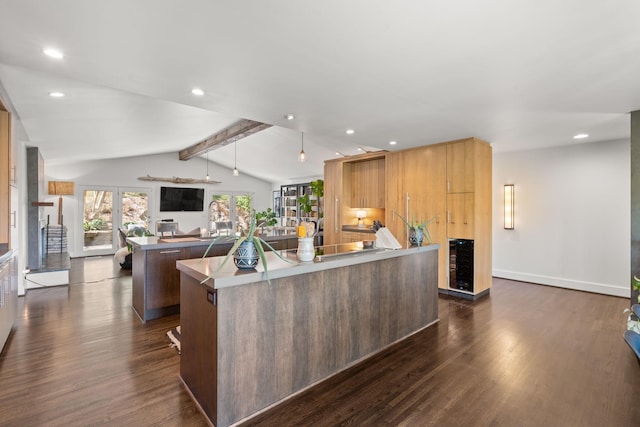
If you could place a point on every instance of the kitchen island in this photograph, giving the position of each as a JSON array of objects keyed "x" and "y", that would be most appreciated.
[
  {"x": 247, "y": 345},
  {"x": 155, "y": 280}
]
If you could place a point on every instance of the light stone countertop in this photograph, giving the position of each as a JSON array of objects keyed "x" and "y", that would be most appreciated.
[
  {"x": 156, "y": 242},
  {"x": 203, "y": 268}
]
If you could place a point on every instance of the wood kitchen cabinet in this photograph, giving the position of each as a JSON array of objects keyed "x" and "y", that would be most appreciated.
[
  {"x": 155, "y": 280},
  {"x": 367, "y": 183},
  {"x": 333, "y": 202},
  {"x": 416, "y": 189},
  {"x": 449, "y": 181},
  {"x": 356, "y": 236},
  {"x": 5, "y": 174},
  {"x": 469, "y": 203},
  {"x": 461, "y": 173},
  {"x": 461, "y": 215}
]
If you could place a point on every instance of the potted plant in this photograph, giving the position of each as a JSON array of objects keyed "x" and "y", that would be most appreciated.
[
  {"x": 317, "y": 189},
  {"x": 266, "y": 218},
  {"x": 305, "y": 204},
  {"x": 417, "y": 230},
  {"x": 248, "y": 249}
]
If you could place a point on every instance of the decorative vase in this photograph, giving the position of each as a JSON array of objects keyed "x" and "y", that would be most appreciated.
[
  {"x": 416, "y": 236},
  {"x": 305, "y": 249},
  {"x": 246, "y": 256}
]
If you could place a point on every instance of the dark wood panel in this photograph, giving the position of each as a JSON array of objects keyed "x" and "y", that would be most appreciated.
[
  {"x": 138, "y": 277},
  {"x": 199, "y": 344},
  {"x": 163, "y": 279},
  {"x": 279, "y": 338}
]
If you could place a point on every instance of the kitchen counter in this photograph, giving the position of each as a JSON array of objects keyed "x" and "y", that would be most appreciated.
[
  {"x": 155, "y": 242},
  {"x": 247, "y": 344},
  {"x": 5, "y": 254},
  {"x": 156, "y": 282}
]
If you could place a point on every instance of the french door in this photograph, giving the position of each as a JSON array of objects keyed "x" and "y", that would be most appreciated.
[
  {"x": 104, "y": 210},
  {"x": 230, "y": 207}
]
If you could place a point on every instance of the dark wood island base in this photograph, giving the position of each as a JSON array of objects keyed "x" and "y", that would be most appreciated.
[{"x": 248, "y": 345}]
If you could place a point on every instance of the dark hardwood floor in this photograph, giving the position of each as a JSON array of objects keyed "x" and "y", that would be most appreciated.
[{"x": 528, "y": 355}]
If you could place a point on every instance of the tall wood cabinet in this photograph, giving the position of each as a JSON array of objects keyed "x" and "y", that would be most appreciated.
[
  {"x": 469, "y": 203},
  {"x": 6, "y": 163},
  {"x": 450, "y": 182},
  {"x": 416, "y": 189},
  {"x": 333, "y": 202}
]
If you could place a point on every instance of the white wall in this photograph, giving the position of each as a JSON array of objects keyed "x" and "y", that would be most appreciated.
[
  {"x": 125, "y": 172},
  {"x": 572, "y": 217}
]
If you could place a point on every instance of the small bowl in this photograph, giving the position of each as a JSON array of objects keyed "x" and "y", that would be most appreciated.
[{"x": 367, "y": 244}]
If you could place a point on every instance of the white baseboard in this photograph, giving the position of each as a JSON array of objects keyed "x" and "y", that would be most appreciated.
[
  {"x": 46, "y": 279},
  {"x": 565, "y": 283}
]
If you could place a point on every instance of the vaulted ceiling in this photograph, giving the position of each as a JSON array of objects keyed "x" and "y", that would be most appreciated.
[{"x": 519, "y": 74}]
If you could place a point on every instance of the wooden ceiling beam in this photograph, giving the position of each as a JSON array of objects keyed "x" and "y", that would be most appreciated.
[{"x": 240, "y": 129}]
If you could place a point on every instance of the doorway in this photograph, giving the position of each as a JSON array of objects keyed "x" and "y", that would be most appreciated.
[{"x": 105, "y": 210}]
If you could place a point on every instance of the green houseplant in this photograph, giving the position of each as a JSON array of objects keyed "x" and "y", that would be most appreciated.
[
  {"x": 248, "y": 249},
  {"x": 317, "y": 189},
  {"x": 305, "y": 204},
  {"x": 266, "y": 218},
  {"x": 417, "y": 230}
]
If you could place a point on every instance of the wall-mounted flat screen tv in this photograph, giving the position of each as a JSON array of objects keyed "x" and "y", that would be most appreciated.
[{"x": 180, "y": 199}]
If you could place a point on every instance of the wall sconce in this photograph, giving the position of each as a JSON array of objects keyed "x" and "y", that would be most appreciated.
[
  {"x": 509, "y": 196},
  {"x": 361, "y": 215},
  {"x": 60, "y": 188}
]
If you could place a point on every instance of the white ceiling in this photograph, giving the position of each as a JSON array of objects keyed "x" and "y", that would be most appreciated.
[{"x": 519, "y": 74}]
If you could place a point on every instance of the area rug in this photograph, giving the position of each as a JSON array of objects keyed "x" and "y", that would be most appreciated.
[{"x": 174, "y": 336}]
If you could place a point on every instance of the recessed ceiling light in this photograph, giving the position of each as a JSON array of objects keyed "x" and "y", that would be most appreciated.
[
  {"x": 289, "y": 117},
  {"x": 350, "y": 131},
  {"x": 360, "y": 149},
  {"x": 197, "y": 91},
  {"x": 56, "y": 94},
  {"x": 393, "y": 142},
  {"x": 53, "y": 53},
  {"x": 581, "y": 136}
]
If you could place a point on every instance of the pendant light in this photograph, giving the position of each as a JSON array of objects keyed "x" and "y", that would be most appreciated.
[
  {"x": 302, "y": 157},
  {"x": 235, "y": 157},
  {"x": 207, "y": 177}
]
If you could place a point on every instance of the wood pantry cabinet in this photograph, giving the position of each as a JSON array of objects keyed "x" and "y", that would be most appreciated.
[
  {"x": 416, "y": 189},
  {"x": 5, "y": 173},
  {"x": 450, "y": 181},
  {"x": 469, "y": 203}
]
